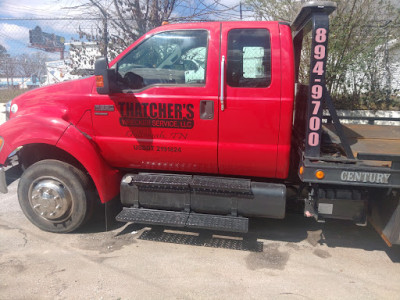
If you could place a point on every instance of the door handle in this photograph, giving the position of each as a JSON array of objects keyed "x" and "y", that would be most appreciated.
[
  {"x": 222, "y": 83},
  {"x": 206, "y": 110}
]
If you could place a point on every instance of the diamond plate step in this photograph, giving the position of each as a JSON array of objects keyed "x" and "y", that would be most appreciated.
[
  {"x": 215, "y": 222},
  {"x": 153, "y": 217},
  {"x": 221, "y": 186},
  {"x": 155, "y": 182},
  {"x": 182, "y": 219}
]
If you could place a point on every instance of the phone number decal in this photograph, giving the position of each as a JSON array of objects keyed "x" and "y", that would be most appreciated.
[
  {"x": 317, "y": 90},
  {"x": 156, "y": 148}
]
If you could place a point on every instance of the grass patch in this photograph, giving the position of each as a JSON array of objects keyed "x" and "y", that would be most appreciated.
[{"x": 9, "y": 94}]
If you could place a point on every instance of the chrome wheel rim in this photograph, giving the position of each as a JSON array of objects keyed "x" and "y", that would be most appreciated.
[{"x": 50, "y": 199}]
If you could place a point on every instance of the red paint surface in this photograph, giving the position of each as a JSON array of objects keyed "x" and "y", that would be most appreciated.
[
  {"x": 105, "y": 178},
  {"x": 251, "y": 137},
  {"x": 249, "y": 125},
  {"x": 287, "y": 98}
]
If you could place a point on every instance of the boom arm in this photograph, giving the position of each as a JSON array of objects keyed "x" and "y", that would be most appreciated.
[{"x": 314, "y": 16}]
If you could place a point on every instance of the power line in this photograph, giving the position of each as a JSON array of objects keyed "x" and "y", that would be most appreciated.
[{"x": 59, "y": 19}]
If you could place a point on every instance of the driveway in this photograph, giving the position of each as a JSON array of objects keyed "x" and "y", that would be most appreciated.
[{"x": 295, "y": 258}]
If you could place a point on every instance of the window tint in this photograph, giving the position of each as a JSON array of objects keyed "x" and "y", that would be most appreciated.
[
  {"x": 249, "y": 58},
  {"x": 174, "y": 57}
]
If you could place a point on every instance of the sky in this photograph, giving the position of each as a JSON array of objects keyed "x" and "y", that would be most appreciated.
[{"x": 14, "y": 34}]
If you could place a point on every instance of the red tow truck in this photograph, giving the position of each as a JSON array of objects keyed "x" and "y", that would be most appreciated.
[{"x": 203, "y": 125}]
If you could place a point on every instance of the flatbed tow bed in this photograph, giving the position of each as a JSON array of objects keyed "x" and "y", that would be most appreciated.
[
  {"x": 364, "y": 138},
  {"x": 374, "y": 161},
  {"x": 350, "y": 171}
]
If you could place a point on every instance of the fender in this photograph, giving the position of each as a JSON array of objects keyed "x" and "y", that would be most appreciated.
[
  {"x": 29, "y": 129},
  {"x": 105, "y": 178}
]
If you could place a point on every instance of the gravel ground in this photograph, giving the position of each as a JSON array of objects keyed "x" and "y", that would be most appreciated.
[{"x": 295, "y": 258}]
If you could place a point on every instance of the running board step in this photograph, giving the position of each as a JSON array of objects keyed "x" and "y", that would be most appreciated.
[
  {"x": 153, "y": 217},
  {"x": 183, "y": 219},
  {"x": 216, "y": 222}
]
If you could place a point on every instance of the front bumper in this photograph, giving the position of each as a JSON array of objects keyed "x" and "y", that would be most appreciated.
[{"x": 3, "y": 183}]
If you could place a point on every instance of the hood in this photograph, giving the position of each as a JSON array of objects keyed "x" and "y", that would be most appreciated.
[{"x": 68, "y": 100}]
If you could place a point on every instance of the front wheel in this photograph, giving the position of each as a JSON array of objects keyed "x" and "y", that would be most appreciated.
[{"x": 53, "y": 196}]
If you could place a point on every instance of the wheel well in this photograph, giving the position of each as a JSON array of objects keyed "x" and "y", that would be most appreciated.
[{"x": 32, "y": 153}]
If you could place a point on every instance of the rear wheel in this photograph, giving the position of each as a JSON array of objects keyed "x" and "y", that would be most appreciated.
[{"x": 54, "y": 196}]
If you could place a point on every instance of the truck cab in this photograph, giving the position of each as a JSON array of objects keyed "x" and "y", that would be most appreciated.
[{"x": 168, "y": 107}]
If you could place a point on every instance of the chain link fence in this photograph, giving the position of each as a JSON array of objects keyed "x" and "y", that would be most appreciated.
[
  {"x": 42, "y": 51},
  {"x": 39, "y": 52}
]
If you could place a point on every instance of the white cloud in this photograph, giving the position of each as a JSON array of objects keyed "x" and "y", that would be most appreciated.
[
  {"x": 38, "y": 8},
  {"x": 14, "y": 34},
  {"x": 11, "y": 33},
  {"x": 51, "y": 9}
]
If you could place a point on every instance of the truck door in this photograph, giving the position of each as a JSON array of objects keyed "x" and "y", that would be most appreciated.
[
  {"x": 164, "y": 116},
  {"x": 249, "y": 110}
]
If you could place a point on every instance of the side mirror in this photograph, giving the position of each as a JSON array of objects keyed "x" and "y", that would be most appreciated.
[{"x": 101, "y": 73}]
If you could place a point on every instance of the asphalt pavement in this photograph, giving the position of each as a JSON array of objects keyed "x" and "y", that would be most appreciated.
[{"x": 294, "y": 258}]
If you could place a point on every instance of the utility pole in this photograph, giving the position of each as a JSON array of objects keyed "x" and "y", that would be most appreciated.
[{"x": 105, "y": 36}]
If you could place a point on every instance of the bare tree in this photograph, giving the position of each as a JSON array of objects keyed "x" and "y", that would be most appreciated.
[
  {"x": 32, "y": 64},
  {"x": 121, "y": 22},
  {"x": 358, "y": 63},
  {"x": 10, "y": 70},
  {"x": 4, "y": 56},
  {"x": 7, "y": 66},
  {"x": 3, "y": 51}
]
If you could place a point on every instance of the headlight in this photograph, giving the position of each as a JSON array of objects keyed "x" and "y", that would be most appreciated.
[{"x": 8, "y": 109}]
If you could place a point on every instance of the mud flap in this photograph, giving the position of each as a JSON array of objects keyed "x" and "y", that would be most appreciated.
[
  {"x": 3, "y": 183},
  {"x": 385, "y": 217}
]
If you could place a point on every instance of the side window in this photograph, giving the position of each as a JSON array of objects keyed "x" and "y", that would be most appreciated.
[
  {"x": 173, "y": 57},
  {"x": 249, "y": 58}
]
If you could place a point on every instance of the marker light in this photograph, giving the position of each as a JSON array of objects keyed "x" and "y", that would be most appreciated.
[
  {"x": 164, "y": 23},
  {"x": 99, "y": 81},
  {"x": 320, "y": 174},
  {"x": 301, "y": 171},
  {"x": 1, "y": 142}
]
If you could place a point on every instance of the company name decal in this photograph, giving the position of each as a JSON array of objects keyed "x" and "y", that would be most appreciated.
[
  {"x": 365, "y": 177},
  {"x": 158, "y": 115}
]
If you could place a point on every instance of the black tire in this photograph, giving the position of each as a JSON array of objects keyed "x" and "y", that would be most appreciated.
[{"x": 55, "y": 196}]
